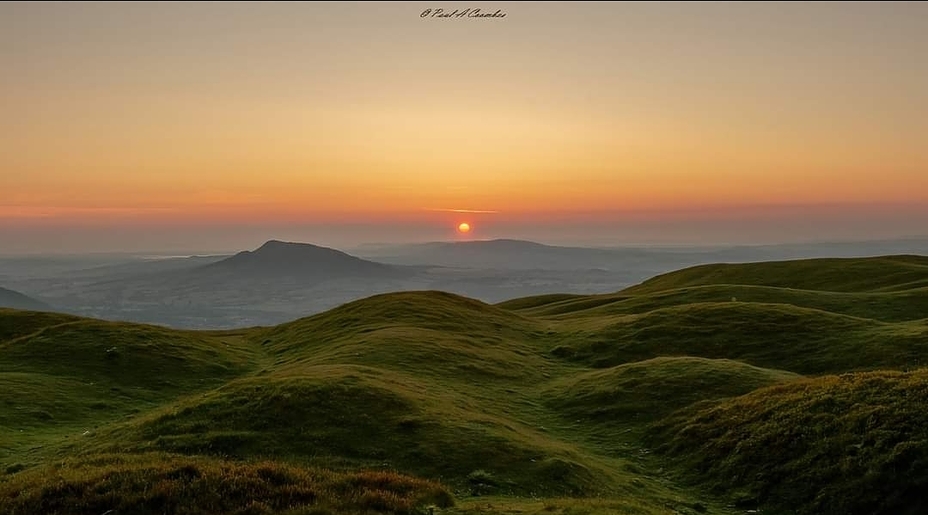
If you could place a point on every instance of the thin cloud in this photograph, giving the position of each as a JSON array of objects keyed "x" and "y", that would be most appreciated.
[{"x": 463, "y": 210}]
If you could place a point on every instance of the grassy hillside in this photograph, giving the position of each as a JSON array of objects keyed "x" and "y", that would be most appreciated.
[
  {"x": 643, "y": 391},
  {"x": 894, "y": 306},
  {"x": 125, "y": 355},
  {"x": 849, "y": 444},
  {"x": 552, "y": 404},
  {"x": 363, "y": 418},
  {"x": 62, "y": 376},
  {"x": 888, "y": 273},
  {"x": 15, "y": 324},
  {"x": 438, "y": 311},
  {"x": 779, "y": 336}
]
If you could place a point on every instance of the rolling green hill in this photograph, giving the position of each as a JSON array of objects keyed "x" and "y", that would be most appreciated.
[
  {"x": 649, "y": 401},
  {"x": 887, "y": 273},
  {"x": 779, "y": 336},
  {"x": 854, "y": 443},
  {"x": 629, "y": 394},
  {"x": 888, "y": 306},
  {"x": 15, "y": 324}
]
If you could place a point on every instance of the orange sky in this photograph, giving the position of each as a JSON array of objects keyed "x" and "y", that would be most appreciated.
[{"x": 164, "y": 114}]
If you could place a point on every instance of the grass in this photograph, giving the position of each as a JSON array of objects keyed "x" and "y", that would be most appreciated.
[
  {"x": 619, "y": 403},
  {"x": 779, "y": 336},
  {"x": 125, "y": 355},
  {"x": 152, "y": 484},
  {"x": 363, "y": 417},
  {"x": 573, "y": 506},
  {"x": 886, "y": 273},
  {"x": 885, "y": 306},
  {"x": 848, "y": 444},
  {"x": 644, "y": 391},
  {"x": 15, "y": 323}
]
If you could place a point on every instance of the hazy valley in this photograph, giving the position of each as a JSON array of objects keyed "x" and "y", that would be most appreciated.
[{"x": 280, "y": 281}]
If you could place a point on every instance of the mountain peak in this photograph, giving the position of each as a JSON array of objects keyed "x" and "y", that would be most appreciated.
[
  {"x": 276, "y": 252},
  {"x": 278, "y": 244},
  {"x": 277, "y": 257}
]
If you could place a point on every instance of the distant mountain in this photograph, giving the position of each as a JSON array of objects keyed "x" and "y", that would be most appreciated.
[
  {"x": 16, "y": 300},
  {"x": 303, "y": 261},
  {"x": 513, "y": 255},
  {"x": 280, "y": 281},
  {"x": 509, "y": 254}
]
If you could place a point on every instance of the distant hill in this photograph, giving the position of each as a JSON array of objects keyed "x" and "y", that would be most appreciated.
[
  {"x": 511, "y": 254},
  {"x": 303, "y": 261},
  {"x": 16, "y": 300},
  {"x": 276, "y": 282}
]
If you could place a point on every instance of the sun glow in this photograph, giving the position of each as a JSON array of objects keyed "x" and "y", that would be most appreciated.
[{"x": 464, "y": 228}]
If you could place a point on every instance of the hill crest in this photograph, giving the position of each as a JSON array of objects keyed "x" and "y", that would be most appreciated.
[{"x": 277, "y": 257}]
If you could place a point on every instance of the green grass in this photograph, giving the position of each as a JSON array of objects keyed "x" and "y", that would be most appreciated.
[
  {"x": 61, "y": 376},
  {"x": 894, "y": 306},
  {"x": 361, "y": 417},
  {"x": 644, "y": 391},
  {"x": 779, "y": 336},
  {"x": 849, "y": 444},
  {"x": 125, "y": 355},
  {"x": 550, "y": 404},
  {"x": 16, "y": 324},
  {"x": 888, "y": 273}
]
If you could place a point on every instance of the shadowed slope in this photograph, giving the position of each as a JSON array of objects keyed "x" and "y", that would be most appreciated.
[
  {"x": 129, "y": 355},
  {"x": 352, "y": 417},
  {"x": 778, "y": 336},
  {"x": 644, "y": 391},
  {"x": 853, "y": 444},
  {"x": 62, "y": 376},
  {"x": 15, "y": 323},
  {"x": 896, "y": 306}
]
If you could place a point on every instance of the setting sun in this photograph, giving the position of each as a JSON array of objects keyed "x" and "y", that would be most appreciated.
[{"x": 464, "y": 227}]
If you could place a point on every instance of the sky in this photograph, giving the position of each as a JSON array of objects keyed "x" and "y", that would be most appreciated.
[{"x": 217, "y": 126}]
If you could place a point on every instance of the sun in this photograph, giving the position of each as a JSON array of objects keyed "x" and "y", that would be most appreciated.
[{"x": 464, "y": 227}]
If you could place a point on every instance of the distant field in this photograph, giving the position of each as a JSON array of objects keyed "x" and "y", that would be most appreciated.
[{"x": 789, "y": 387}]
